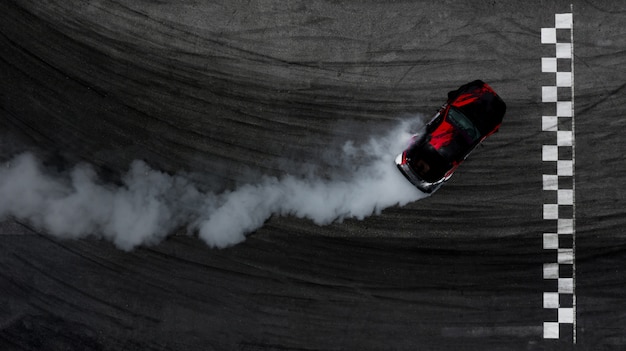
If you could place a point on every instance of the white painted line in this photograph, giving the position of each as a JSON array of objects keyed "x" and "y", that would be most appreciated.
[
  {"x": 550, "y": 271},
  {"x": 559, "y": 242},
  {"x": 550, "y": 153},
  {"x": 550, "y": 182},
  {"x": 566, "y": 285},
  {"x": 564, "y": 168},
  {"x": 550, "y": 241},
  {"x": 548, "y": 35},
  {"x": 563, "y": 20},
  {"x": 565, "y": 256},
  {"x": 563, "y": 79},
  {"x": 550, "y": 211},
  {"x": 564, "y": 138},
  {"x": 551, "y": 300},
  {"x": 564, "y": 109},
  {"x": 548, "y": 94},
  {"x": 550, "y": 330},
  {"x": 570, "y": 20},
  {"x": 565, "y": 226},
  {"x": 548, "y": 64},
  {"x": 565, "y": 197},
  {"x": 549, "y": 123},
  {"x": 563, "y": 50},
  {"x": 566, "y": 315}
]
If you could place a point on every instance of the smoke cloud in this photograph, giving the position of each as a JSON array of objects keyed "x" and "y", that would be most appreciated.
[{"x": 151, "y": 204}]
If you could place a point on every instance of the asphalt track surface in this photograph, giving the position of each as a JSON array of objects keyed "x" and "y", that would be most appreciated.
[{"x": 231, "y": 90}]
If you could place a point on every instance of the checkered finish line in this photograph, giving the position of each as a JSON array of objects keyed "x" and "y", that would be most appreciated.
[{"x": 558, "y": 181}]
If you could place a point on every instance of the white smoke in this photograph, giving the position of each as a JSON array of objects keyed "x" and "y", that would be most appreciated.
[{"x": 150, "y": 204}]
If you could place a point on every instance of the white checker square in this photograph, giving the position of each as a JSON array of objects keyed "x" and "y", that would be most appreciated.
[
  {"x": 566, "y": 315},
  {"x": 550, "y": 271},
  {"x": 548, "y": 94},
  {"x": 550, "y": 300},
  {"x": 566, "y": 285},
  {"x": 564, "y": 168},
  {"x": 548, "y": 64},
  {"x": 565, "y": 256},
  {"x": 550, "y": 330},
  {"x": 564, "y": 138},
  {"x": 550, "y": 182},
  {"x": 550, "y": 241},
  {"x": 548, "y": 35},
  {"x": 565, "y": 197},
  {"x": 550, "y": 153},
  {"x": 549, "y": 123},
  {"x": 563, "y": 50},
  {"x": 550, "y": 211},
  {"x": 564, "y": 109},
  {"x": 565, "y": 226},
  {"x": 563, "y": 79},
  {"x": 563, "y": 20}
]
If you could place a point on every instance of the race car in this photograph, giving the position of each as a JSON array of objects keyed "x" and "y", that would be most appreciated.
[{"x": 472, "y": 113}]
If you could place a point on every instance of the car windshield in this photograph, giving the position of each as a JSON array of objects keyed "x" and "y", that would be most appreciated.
[{"x": 465, "y": 125}]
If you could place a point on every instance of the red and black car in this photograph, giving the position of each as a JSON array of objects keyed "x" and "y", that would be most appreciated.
[{"x": 471, "y": 114}]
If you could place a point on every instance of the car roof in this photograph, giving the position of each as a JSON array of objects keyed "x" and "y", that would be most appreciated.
[
  {"x": 479, "y": 102},
  {"x": 448, "y": 140}
]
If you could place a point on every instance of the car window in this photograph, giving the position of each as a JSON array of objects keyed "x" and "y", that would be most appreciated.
[
  {"x": 427, "y": 162},
  {"x": 464, "y": 124},
  {"x": 422, "y": 167}
]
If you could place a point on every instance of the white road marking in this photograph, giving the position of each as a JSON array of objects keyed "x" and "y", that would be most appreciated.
[
  {"x": 549, "y": 94},
  {"x": 564, "y": 138},
  {"x": 550, "y": 271},
  {"x": 565, "y": 197},
  {"x": 549, "y": 123},
  {"x": 566, "y": 315},
  {"x": 561, "y": 127},
  {"x": 548, "y": 64},
  {"x": 565, "y": 256},
  {"x": 550, "y": 153},
  {"x": 550, "y": 241},
  {"x": 565, "y": 168},
  {"x": 550, "y": 182},
  {"x": 564, "y": 108},
  {"x": 566, "y": 285},
  {"x": 550, "y": 211},
  {"x": 550, "y": 300},
  {"x": 565, "y": 226},
  {"x": 563, "y": 79},
  {"x": 548, "y": 35},
  {"x": 570, "y": 20},
  {"x": 563, "y": 20},
  {"x": 551, "y": 330},
  {"x": 563, "y": 50}
]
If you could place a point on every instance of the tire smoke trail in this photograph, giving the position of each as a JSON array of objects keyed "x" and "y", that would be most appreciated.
[{"x": 150, "y": 204}]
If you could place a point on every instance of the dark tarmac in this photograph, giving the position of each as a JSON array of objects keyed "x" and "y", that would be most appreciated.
[{"x": 229, "y": 91}]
